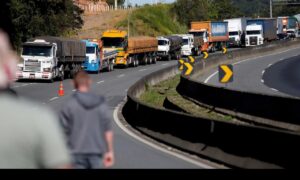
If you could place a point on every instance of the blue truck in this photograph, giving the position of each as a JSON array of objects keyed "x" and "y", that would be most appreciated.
[{"x": 98, "y": 60}]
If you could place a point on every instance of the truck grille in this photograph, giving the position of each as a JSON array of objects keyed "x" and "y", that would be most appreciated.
[
  {"x": 253, "y": 40},
  {"x": 32, "y": 66}
]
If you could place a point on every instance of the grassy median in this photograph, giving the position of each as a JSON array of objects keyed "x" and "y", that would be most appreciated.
[{"x": 156, "y": 95}]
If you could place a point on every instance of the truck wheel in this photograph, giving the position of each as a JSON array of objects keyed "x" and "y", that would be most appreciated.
[
  {"x": 137, "y": 62},
  {"x": 111, "y": 66},
  {"x": 154, "y": 60}
]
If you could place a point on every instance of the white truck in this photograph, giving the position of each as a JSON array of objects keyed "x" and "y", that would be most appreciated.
[
  {"x": 169, "y": 47},
  {"x": 50, "y": 58},
  {"x": 191, "y": 45},
  {"x": 237, "y": 31},
  {"x": 259, "y": 31}
]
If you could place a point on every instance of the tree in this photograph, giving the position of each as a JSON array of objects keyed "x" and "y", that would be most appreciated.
[{"x": 29, "y": 18}]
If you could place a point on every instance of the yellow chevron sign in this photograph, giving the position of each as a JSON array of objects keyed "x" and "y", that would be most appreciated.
[
  {"x": 181, "y": 64},
  {"x": 192, "y": 59},
  {"x": 189, "y": 69},
  {"x": 226, "y": 73},
  {"x": 205, "y": 55},
  {"x": 224, "y": 50}
]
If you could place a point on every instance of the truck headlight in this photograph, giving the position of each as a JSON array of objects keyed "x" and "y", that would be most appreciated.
[{"x": 47, "y": 69}]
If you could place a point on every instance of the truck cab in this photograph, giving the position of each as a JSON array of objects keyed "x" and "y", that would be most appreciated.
[
  {"x": 39, "y": 60},
  {"x": 163, "y": 47},
  {"x": 235, "y": 37},
  {"x": 92, "y": 63},
  {"x": 116, "y": 40},
  {"x": 254, "y": 35},
  {"x": 188, "y": 45}
]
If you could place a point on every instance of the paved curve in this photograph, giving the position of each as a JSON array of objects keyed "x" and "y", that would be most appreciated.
[
  {"x": 130, "y": 153},
  {"x": 248, "y": 73},
  {"x": 284, "y": 76}
]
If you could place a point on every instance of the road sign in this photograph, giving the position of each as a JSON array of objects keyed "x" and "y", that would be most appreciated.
[
  {"x": 181, "y": 64},
  {"x": 224, "y": 50},
  {"x": 205, "y": 55},
  {"x": 189, "y": 69},
  {"x": 186, "y": 66},
  {"x": 226, "y": 73},
  {"x": 192, "y": 59}
]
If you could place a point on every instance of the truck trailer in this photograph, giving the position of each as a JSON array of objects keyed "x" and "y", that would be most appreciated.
[
  {"x": 214, "y": 34},
  {"x": 259, "y": 31},
  {"x": 132, "y": 51},
  {"x": 169, "y": 47},
  {"x": 98, "y": 59},
  {"x": 50, "y": 58},
  {"x": 286, "y": 24},
  {"x": 237, "y": 31}
]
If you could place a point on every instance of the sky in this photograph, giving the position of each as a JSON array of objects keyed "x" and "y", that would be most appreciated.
[{"x": 140, "y": 2}]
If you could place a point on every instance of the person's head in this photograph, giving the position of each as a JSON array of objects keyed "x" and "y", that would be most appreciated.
[
  {"x": 8, "y": 62},
  {"x": 82, "y": 81}
]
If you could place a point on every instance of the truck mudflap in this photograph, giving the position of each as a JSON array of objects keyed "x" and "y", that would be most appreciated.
[{"x": 34, "y": 76}]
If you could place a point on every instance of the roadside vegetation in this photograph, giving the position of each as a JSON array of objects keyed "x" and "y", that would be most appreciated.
[
  {"x": 156, "y": 95},
  {"x": 152, "y": 21}
]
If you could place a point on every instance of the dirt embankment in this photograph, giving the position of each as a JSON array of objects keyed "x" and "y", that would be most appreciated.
[{"x": 94, "y": 25}]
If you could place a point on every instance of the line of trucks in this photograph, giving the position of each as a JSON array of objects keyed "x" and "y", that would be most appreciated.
[{"x": 51, "y": 58}]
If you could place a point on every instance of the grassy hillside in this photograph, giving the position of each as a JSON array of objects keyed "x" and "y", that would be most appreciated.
[{"x": 152, "y": 21}]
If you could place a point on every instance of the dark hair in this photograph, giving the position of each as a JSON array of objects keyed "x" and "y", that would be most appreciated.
[{"x": 81, "y": 79}]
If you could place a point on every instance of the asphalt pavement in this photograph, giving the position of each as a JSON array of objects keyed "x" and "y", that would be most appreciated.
[
  {"x": 249, "y": 73},
  {"x": 130, "y": 153}
]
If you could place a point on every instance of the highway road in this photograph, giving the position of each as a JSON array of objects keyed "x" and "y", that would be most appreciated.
[
  {"x": 249, "y": 74},
  {"x": 130, "y": 152},
  {"x": 284, "y": 76}
]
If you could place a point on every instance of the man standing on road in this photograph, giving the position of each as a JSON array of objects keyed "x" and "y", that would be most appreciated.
[
  {"x": 29, "y": 138},
  {"x": 87, "y": 124}
]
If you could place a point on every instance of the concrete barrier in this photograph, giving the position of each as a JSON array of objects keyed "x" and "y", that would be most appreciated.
[{"x": 232, "y": 144}]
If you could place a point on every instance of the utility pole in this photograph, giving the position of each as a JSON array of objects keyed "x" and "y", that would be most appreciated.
[
  {"x": 116, "y": 4},
  {"x": 128, "y": 21},
  {"x": 271, "y": 8}
]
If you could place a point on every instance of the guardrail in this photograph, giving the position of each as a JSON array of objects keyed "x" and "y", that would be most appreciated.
[{"x": 229, "y": 143}]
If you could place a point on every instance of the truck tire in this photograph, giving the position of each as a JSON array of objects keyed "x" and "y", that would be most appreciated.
[
  {"x": 154, "y": 60},
  {"x": 137, "y": 62},
  {"x": 111, "y": 66}
]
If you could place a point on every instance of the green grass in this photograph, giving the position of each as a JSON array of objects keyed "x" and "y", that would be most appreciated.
[
  {"x": 156, "y": 95},
  {"x": 152, "y": 21}
]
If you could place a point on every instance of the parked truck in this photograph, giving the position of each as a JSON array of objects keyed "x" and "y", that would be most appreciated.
[
  {"x": 132, "y": 51},
  {"x": 49, "y": 58},
  {"x": 259, "y": 31},
  {"x": 286, "y": 27},
  {"x": 191, "y": 45},
  {"x": 237, "y": 32},
  {"x": 169, "y": 47},
  {"x": 98, "y": 59},
  {"x": 214, "y": 34}
]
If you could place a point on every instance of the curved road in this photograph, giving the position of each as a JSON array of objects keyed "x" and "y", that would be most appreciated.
[
  {"x": 249, "y": 73},
  {"x": 284, "y": 76},
  {"x": 130, "y": 153}
]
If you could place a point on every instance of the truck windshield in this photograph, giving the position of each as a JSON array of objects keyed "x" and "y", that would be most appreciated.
[
  {"x": 185, "y": 41},
  {"x": 162, "y": 42},
  {"x": 37, "y": 51},
  {"x": 113, "y": 42},
  {"x": 253, "y": 32},
  {"x": 197, "y": 34},
  {"x": 90, "y": 50},
  {"x": 234, "y": 33}
]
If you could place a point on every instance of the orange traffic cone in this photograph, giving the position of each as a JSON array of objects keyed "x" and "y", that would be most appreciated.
[{"x": 61, "y": 91}]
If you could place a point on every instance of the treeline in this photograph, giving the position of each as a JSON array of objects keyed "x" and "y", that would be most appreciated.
[
  {"x": 24, "y": 19},
  {"x": 199, "y": 10}
]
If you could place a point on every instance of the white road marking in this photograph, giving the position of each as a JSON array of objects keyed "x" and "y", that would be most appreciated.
[
  {"x": 133, "y": 135},
  {"x": 74, "y": 90},
  {"x": 52, "y": 99},
  {"x": 122, "y": 75},
  {"x": 15, "y": 86},
  {"x": 211, "y": 76},
  {"x": 100, "y": 82},
  {"x": 262, "y": 81},
  {"x": 165, "y": 64},
  {"x": 141, "y": 70},
  {"x": 270, "y": 65},
  {"x": 263, "y": 72},
  {"x": 274, "y": 89},
  {"x": 24, "y": 85},
  {"x": 126, "y": 90}
]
